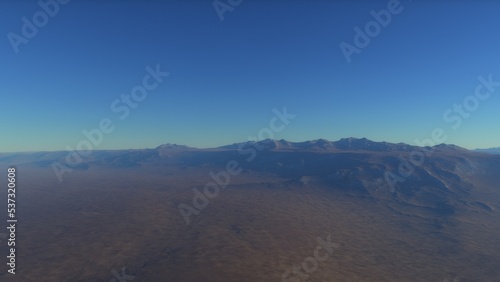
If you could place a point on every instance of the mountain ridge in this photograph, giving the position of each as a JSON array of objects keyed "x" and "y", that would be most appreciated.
[{"x": 350, "y": 143}]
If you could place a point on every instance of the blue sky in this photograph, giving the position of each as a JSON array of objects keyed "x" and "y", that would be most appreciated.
[{"x": 227, "y": 76}]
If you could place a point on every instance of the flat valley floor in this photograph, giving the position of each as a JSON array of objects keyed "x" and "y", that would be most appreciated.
[{"x": 97, "y": 222}]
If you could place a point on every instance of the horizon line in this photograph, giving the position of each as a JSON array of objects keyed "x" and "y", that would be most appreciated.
[{"x": 248, "y": 141}]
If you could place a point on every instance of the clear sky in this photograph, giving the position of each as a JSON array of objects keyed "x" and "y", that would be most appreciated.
[{"x": 227, "y": 76}]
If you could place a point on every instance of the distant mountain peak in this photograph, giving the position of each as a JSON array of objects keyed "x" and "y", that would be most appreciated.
[
  {"x": 353, "y": 139},
  {"x": 355, "y": 144},
  {"x": 169, "y": 146}
]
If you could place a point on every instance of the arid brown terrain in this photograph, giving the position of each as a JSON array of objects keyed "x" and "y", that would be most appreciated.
[{"x": 123, "y": 209}]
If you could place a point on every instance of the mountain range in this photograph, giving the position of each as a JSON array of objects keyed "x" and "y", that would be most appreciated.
[{"x": 136, "y": 156}]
